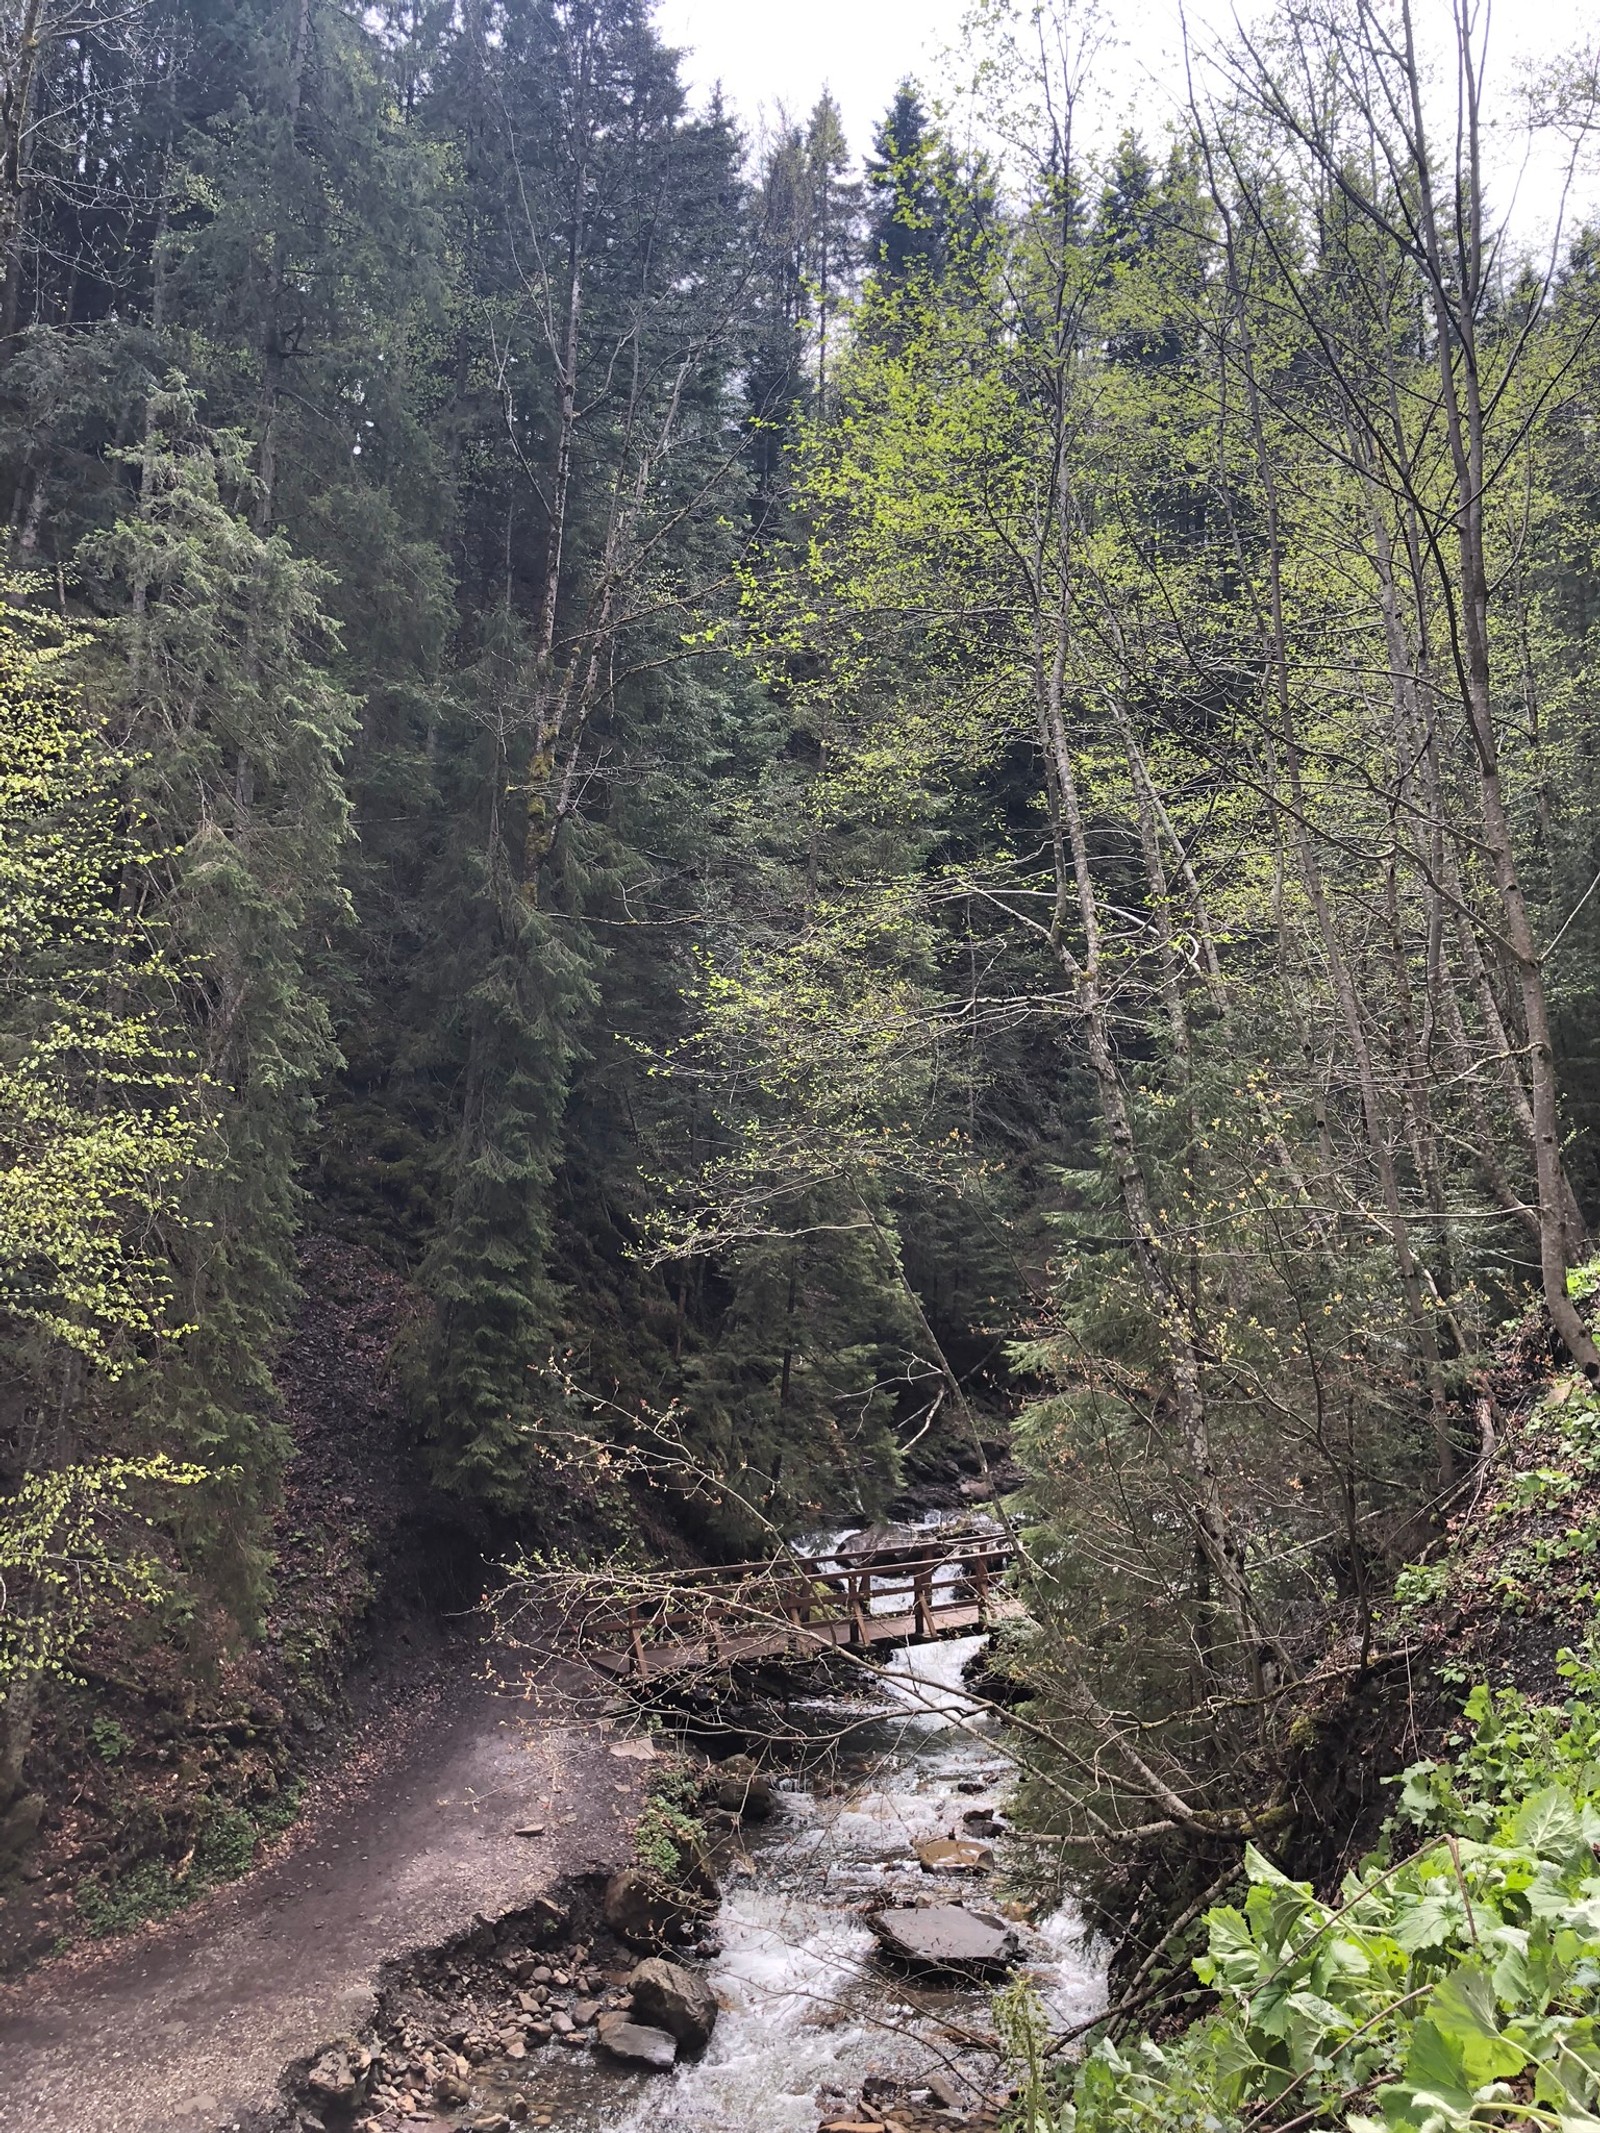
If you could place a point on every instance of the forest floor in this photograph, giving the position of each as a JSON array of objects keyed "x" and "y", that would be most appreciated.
[{"x": 188, "y": 2026}]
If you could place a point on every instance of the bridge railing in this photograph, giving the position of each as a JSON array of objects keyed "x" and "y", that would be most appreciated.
[{"x": 790, "y": 1605}]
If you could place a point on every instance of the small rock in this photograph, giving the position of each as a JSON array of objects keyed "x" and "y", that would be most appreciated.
[
  {"x": 561, "y": 2023},
  {"x": 584, "y": 2012},
  {"x": 638, "y": 2044},
  {"x": 944, "y": 2091},
  {"x": 529, "y": 1829}
]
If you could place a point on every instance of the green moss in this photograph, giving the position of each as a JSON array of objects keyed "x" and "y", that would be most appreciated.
[{"x": 226, "y": 1839}]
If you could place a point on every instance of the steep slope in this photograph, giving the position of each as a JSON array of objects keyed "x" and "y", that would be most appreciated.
[{"x": 180, "y": 1748}]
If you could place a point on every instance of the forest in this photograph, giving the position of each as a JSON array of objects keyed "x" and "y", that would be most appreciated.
[{"x": 842, "y": 829}]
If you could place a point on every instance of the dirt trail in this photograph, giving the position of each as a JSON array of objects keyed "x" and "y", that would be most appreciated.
[{"x": 187, "y": 2028}]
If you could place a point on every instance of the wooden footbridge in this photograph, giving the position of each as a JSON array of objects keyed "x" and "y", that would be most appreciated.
[{"x": 799, "y": 1607}]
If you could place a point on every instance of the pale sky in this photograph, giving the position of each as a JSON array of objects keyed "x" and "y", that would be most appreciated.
[
  {"x": 771, "y": 52},
  {"x": 767, "y": 52}
]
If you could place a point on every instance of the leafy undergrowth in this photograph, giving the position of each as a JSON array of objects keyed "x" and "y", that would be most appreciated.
[
  {"x": 1517, "y": 1578},
  {"x": 1452, "y": 1979},
  {"x": 224, "y": 1847},
  {"x": 1451, "y": 1983}
]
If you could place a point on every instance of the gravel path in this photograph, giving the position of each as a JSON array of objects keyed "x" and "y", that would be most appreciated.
[{"x": 187, "y": 2027}]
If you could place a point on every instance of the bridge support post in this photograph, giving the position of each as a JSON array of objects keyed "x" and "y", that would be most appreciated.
[{"x": 860, "y": 1636}]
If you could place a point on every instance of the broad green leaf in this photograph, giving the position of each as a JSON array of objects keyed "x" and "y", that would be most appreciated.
[
  {"x": 1548, "y": 1824},
  {"x": 1232, "y": 1957},
  {"x": 1583, "y": 1913},
  {"x": 1462, "y": 2013},
  {"x": 1432, "y": 1923},
  {"x": 1260, "y": 1869}
]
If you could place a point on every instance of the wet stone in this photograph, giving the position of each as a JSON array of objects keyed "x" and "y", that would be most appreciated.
[
  {"x": 946, "y": 1937},
  {"x": 955, "y": 1855},
  {"x": 638, "y": 2043},
  {"x": 666, "y": 1996}
]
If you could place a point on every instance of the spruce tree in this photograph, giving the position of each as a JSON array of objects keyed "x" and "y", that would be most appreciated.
[
  {"x": 906, "y": 209},
  {"x": 215, "y": 675}
]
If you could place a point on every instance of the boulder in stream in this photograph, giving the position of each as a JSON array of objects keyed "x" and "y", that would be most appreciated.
[
  {"x": 947, "y": 1937},
  {"x": 954, "y": 1855},
  {"x": 887, "y": 1546},
  {"x": 638, "y": 2043},
  {"x": 643, "y": 1909},
  {"x": 738, "y": 1787},
  {"x": 666, "y": 1996}
]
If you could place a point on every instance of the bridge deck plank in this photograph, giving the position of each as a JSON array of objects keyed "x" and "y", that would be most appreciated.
[{"x": 750, "y": 1647}]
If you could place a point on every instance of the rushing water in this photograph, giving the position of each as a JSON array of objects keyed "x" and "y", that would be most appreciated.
[{"x": 808, "y": 2010}]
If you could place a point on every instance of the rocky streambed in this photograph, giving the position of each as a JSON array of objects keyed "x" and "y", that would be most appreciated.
[{"x": 841, "y": 1978}]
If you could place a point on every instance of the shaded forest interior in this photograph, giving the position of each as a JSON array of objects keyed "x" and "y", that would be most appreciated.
[{"x": 755, "y": 832}]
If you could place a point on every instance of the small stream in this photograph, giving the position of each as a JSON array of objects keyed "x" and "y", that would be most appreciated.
[{"x": 808, "y": 2009}]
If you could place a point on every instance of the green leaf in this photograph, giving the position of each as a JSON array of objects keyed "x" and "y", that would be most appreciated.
[
  {"x": 1232, "y": 1957},
  {"x": 1548, "y": 1824},
  {"x": 1432, "y": 1923},
  {"x": 1462, "y": 2012}
]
